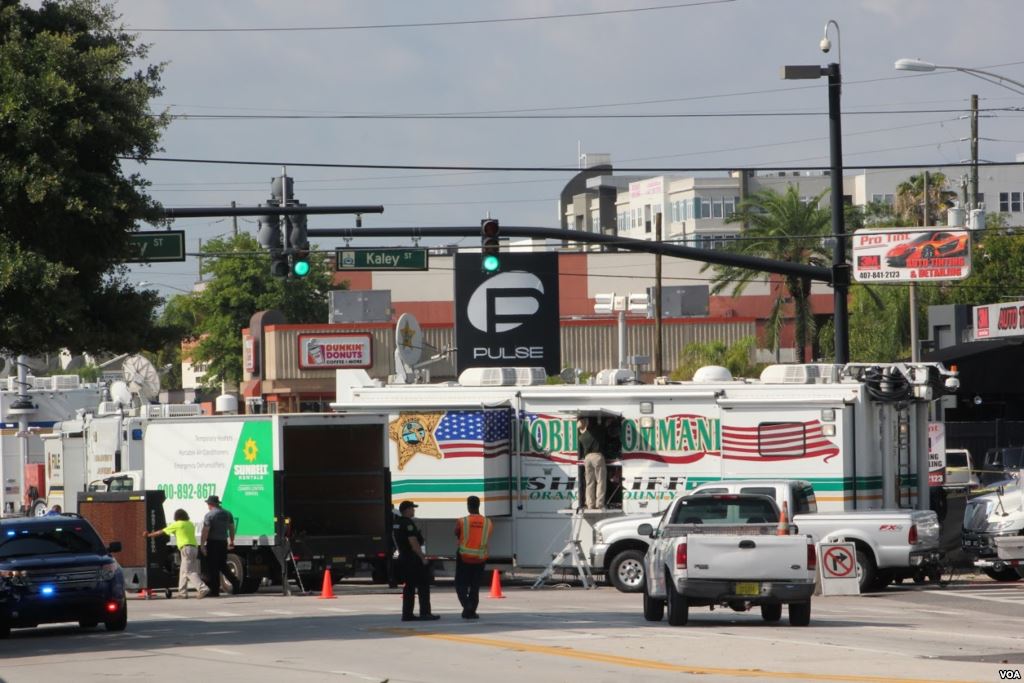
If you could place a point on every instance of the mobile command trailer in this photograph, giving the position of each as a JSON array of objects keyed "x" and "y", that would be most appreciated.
[
  {"x": 858, "y": 433},
  {"x": 313, "y": 489}
]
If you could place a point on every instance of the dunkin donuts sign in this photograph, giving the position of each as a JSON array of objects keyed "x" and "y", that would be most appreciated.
[{"x": 330, "y": 351}]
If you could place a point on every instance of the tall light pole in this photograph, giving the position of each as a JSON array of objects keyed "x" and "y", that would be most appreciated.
[
  {"x": 840, "y": 269},
  {"x": 988, "y": 76}
]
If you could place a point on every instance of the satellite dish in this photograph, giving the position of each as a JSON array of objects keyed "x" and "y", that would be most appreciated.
[
  {"x": 408, "y": 339},
  {"x": 142, "y": 377},
  {"x": 120, "y": 393}
]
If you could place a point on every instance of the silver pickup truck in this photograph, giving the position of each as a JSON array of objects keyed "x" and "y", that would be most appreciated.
[
  {"x": 723, "y": 549},
  {"x": 891, "y": 544}
]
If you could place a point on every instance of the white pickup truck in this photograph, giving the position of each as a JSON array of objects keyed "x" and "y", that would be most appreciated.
[
  {"x": 891, "y": 544},
  {"x": 722, "y": 549}
]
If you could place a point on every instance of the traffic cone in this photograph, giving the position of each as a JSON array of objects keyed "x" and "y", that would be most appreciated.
[
  {"x": 496, "y": 585},
  {"x": 327, "y": 592},
  {"x": 783, "y": 529}
]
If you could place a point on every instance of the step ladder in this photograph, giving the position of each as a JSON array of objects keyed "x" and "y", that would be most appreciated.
[{"x": 573, "y": 551}]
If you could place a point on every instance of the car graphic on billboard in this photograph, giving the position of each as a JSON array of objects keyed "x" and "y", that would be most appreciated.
[{"x": 927, "y": 246}]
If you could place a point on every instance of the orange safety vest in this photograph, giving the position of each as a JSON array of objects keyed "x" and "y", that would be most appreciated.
[{"x": 474, "y": 532}]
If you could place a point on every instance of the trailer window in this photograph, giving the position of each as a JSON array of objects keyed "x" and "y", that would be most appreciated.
[
  {"x": 804, "y": 501},
  {"x": 781, "y": 439}
]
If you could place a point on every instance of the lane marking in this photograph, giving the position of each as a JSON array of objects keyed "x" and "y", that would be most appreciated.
[
  {"x": 224, "y": 614},
  {"x": 339, "y": 610},
  {"x": 590, "y": 656},
  {"x": 278, "y": 611},
  {"x": 222, "y": 651},
  {"x": 168, "y": 615}
]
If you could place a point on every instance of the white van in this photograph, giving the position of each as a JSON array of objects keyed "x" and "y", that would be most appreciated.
[{"x": 960, "y": 469}]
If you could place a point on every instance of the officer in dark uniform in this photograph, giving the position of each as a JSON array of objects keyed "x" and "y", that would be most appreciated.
[{"x": 414, "y": 563}]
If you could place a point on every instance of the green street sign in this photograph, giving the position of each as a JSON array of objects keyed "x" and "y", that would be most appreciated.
[
  {"x": 408, "y": 258},
  {"x": 157, "y": 246}
]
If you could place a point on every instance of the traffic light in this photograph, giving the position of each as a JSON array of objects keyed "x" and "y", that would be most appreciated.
[
  {"x": 269, "y": 236},
  {"x": 490, "y": 258},
  {"x": 298, "y": 244}
]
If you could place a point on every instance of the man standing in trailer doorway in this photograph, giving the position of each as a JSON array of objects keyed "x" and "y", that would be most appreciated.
[
  {"x": 473, "y": 532},
  {"x": 591, "y": 447}
]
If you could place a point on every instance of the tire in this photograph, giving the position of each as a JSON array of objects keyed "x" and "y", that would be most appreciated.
[
  {"x": 867, "y": 571},
  {"x": 800, "y": 613},
  {"x": 928, "y": 252},
  {"x": 119, "y": 622},
  {"x": 626, "y": 571},
  {"x": 654, "y": 608},
  {"x": 38, "y": 508},
  {"x": 88, "y": 623},
  {"x": 1006, "y": 574},
  {"x": 772, "y": 612},
  {"x": 678, "y": 606},
  {"x": 236, "y": 567}
]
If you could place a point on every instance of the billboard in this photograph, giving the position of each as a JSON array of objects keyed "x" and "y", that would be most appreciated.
[
  {"x": 329, "y": 351},
  {"x": 509, "y": 318},
  {"x": 997, "y": 321},
  {"x": 911, "y": 255}
]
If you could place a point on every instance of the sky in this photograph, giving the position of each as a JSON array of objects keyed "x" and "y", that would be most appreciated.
[{"x": 710, "y": 57}]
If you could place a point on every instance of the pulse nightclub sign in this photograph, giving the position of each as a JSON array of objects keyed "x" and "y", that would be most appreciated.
[
  {"x": 911, "y": 255},
  {"x": 508, "y": 318}
]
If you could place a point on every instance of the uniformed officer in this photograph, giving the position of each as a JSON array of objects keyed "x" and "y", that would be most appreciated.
[{"x": 414, "y": 564}]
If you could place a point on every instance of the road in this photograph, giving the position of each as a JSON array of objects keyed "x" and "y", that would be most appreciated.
[{"x": 965, "y": 632}]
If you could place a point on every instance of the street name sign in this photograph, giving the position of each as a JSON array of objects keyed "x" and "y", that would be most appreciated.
[
  {"x": 410, "y": 258},
  {"x": 157, "y": 246}
]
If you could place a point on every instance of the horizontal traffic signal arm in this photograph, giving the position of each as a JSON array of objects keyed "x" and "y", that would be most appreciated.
[
  {"x": 720, "y": 258},
  {"x": 226, "y": 211}
]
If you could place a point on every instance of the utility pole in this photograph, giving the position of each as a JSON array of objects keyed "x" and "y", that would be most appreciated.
[
  {"x": 658, "y": 371},
  {"x": 234, "y": 222},
  {"x": 974, "y": 154},
  {"x": 915, "y": 351}
]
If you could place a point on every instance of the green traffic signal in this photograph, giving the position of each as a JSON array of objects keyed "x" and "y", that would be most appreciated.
[
  {"x": 300, "y": 268},
  {"x": 490, "y": 264}
]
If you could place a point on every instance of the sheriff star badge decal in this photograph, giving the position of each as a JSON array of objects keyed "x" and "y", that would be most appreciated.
[{"x": 414, "y": 433}]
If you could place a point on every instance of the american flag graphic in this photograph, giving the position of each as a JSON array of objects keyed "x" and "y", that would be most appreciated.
[
  {"x": 777, "y": 440},
  {"x": 474, "y": 433}
]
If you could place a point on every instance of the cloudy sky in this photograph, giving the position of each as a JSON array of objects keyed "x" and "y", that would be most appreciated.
[{"x": 573, "y": 81}]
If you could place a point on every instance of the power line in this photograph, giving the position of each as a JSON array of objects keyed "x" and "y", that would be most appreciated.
[{"x": 432, "y": 24}]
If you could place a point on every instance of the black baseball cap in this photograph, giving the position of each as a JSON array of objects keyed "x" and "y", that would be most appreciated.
[{"x": 406, "y": 504}]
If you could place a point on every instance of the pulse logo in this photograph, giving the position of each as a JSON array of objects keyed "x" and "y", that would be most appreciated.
[{"x": 504, "y": 302}]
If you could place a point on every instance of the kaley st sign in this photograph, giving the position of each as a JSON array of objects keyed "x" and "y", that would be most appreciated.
[
  {"x": 331, "y": 351},
  {"x": 508, "y": 318},
  {"x": 911, "y": 255}
]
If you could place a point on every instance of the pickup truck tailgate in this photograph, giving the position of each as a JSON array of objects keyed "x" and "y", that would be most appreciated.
[{"x": 777, "y": 558}]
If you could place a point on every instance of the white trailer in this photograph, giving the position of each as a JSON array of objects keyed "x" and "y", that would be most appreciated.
[{"x": 858, "y": 433}]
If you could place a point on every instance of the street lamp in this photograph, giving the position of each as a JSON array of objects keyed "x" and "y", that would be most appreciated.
[{"x": 840, "y": 269}]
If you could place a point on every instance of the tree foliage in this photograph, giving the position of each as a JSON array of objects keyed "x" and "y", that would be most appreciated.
[
  {"x": 910, "y": 197},
  {"x": 784, "y": 228},
  {"x": 71, "y": 107},
  {"x": 737, "y": 358},
  {"x": 240, "y": 284}
]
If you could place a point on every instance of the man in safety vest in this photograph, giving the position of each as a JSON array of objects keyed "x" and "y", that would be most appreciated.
[{"x": 473, "y": 532}]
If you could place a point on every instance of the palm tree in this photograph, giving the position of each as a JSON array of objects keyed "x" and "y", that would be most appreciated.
[
  {"x": 910, "y": 198},
  {"x": 783, "y": 228}
]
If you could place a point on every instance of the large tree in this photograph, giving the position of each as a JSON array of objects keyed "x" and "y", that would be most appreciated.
[
  {"x": 73, "y": 104},
  {"x": 239, "y": 285},
  {"x": 910, "y": 197},
  {"x": 784, "y": 228}
]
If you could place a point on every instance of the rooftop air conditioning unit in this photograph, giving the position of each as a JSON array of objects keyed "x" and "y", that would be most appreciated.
[
  {"x": 488, "y": 377},
  {"x": 614, "y": 376},
  {"x": 174, "y": 410},
  {"x": 709, "y": 374},
  {"x": 814, "y": 373}
]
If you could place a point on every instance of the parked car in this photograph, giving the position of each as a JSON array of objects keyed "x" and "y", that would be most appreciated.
[
  {"x": 960, "y": 471},
  {"x": 1001, "y": 464},
  {"x": 55, "y": 569},
  {"x": 928, "y": 245}
]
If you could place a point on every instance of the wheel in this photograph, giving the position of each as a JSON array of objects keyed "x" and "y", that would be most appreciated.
[
  {"x": 38, "y": 508},
  {"x": 1006, "y": 574},
  {"x": 236, "y": 567},
  {"x": 678, "y": 607},
  {"x": 799, "y": 613},
  {"x": 654, "y": 608},
  {"x": 772, "y": 612},
  {"x": 866, "y": 571},
  {"x": 119, "y": 621},
  {"x": 920, "y": 578},
  {"x": 88, "y": 623},
  {"x": 626, "y": 571},
  {"x": 928, "y": 252}
]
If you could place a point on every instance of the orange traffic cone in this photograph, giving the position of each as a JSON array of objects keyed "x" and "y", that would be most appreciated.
[
  {"x": 327, "y": 592},
  {"x": 496, "y": 585},
  {"x": 783, "y": 529}
]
